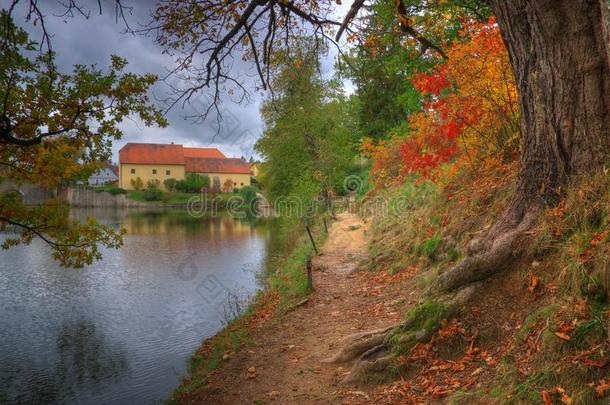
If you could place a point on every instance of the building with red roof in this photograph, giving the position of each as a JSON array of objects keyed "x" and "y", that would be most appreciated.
[
  {"x": 158, "y": 162},
  {"x": 202, "y": 153}
]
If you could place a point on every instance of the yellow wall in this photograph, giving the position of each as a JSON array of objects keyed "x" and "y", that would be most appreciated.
[
  {"x": 145, "y": 172},
  {"x": 238, "y": 179},
  {"x": 254, "y": 169}
]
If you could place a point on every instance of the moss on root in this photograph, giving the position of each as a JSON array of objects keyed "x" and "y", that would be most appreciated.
[{"x": 420, "y": 323}]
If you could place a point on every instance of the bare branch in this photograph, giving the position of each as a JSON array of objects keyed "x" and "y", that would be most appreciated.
[{"x": 353, "y": 11}]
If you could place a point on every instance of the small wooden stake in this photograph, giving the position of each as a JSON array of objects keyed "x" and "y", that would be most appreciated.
[
  {"x": 315, "y": 248},
  {"x": 309, "y": 275}
]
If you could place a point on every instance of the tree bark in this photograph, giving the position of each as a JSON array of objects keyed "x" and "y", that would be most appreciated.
[{"x": 560, "y": 54}]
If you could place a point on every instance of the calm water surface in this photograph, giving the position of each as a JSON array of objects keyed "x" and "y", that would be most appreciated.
[{"x": 121, "y": 330}]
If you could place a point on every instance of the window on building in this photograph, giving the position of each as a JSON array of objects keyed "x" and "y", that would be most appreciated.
[
  {"x": 241, "y": 184},
  {"x": 154, "y": 171},
  {"x": 167, "y": 172},
  {"x": 133, "y": 171}
]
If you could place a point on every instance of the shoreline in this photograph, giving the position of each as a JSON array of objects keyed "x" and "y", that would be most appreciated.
[
  {"x": 270, "y": 352},
  {"x": 286, "y": 291}
]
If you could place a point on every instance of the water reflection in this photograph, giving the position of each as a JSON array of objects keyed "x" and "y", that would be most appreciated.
[
  {"x": 83, "y": 359},
  {"x": 84, "y": 356},
  {"x": 121, "y": 330}
]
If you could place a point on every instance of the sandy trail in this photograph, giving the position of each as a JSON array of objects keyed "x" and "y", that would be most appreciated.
[{"x": 288, "y": 355}]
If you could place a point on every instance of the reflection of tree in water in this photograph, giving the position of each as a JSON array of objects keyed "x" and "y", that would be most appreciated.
[
  {"x": 181, "y": 222},
  {"x": 84, "y": 359},
  {"x": 84, "y": 356},
  {"x": 27, "y": 383}
]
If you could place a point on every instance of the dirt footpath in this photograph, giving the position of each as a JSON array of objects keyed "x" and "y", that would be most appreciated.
[{"x": 288, "y": 356}]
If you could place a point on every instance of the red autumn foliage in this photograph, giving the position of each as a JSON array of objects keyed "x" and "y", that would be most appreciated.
[{"x": 469, "y": 104}]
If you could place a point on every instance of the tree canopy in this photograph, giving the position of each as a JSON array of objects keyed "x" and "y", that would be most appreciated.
[
  {"x": 58, "y": 127},
  {"x": 308, "y": 143}
]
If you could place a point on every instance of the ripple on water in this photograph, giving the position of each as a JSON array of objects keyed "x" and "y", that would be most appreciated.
[{"x": 121, "y": 330}]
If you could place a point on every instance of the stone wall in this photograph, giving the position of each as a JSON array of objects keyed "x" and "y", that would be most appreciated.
[
  {"x": 32, "y": 195},
  {"x": 83, "y": 197}
]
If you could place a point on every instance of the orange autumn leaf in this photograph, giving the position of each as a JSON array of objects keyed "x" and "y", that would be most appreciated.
[
  {"x": 598, "y": 238},
  {"x": 534, "y": 283},
  {"x": 472, "y": 94},
  {"x": 596, "y": 363},
  {"x": 546, "y": 397},
  {"x": 602, "y": 388},
  {"x": 562, "y": 335},
  {"x": 565, "y": 398}
]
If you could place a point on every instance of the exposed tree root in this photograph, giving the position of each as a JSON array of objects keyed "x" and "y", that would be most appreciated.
[
  {"x": 376, "y": 349},
  {"x": 373, "y": 349},
  {"x": 490, "y": 256},
  {"x": 357, "y": 344},
  {"x": 372, "y": 364}
]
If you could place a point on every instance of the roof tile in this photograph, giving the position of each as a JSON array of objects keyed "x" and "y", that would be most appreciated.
[
  {"x": 198, "y": 160},
  {"x": 151, "y": 153},
  {"x": 203, "y": 153},
  {"x": 216, "y": 165}
]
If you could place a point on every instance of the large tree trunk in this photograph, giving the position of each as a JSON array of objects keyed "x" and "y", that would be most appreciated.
[{"x": 560, "y": 53}]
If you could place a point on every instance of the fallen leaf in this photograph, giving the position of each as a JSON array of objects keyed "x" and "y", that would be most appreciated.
[
  {"x": 534, "y": 283},
  {"x": 546, "y": 397},
  {"x": 596, "y": 363},
  {"x": 562, "y": 335},
  {"x": 565, "y": 398},
  {"x": 477, "y": 371},
  {"x": 602, "y": 388}
]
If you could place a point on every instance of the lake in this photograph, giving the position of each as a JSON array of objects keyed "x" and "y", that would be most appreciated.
[{"x": 121, "y": 330}]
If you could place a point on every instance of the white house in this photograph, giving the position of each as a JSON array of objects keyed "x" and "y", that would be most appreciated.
[{"x": 105, "y": 175}]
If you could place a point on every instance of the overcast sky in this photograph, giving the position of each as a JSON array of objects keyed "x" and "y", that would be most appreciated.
[{"x": 92, "y": 41}]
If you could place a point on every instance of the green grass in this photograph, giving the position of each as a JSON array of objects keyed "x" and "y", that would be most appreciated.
[
  {"x": 290, "y": 276},
  {"x": 430, "y": 246},
  {"x": 109, "y": 188},
  {"x": 179, "y": 198},
  {"x": 544, "y": 314},
  {"x": 529, "y": 389}
]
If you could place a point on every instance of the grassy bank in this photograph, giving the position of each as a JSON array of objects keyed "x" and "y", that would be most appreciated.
[
  {"x": 286, "y": 286},
  {"x": 178, "y": 198},
  {"x": 164, "y": 197},
  {"x": 537, "y": 332}
]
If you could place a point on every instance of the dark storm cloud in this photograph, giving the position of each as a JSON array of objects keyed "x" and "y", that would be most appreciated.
[{"x": 91, "y": 41}]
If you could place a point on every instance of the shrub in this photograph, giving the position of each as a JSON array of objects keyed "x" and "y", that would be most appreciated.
[
  {"x": 152, "y": 192},
  {"x": 170, "y": 184},
  {"x": 196, "y": 182},
  {"x": 248, "y": 193},
  {"x": 193, "y": 183},
  {"x": 181, "y": 186},
  {"x": 137, "y": 183},
  {"x": 116, "y": 190}
]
